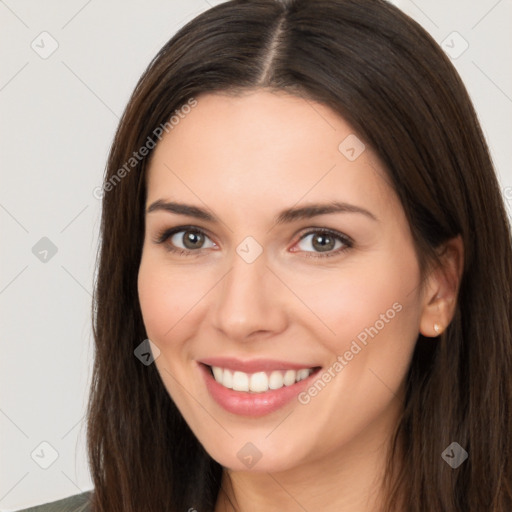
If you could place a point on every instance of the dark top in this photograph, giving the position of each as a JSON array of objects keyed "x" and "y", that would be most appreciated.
[{"x": 75, "y": 503}]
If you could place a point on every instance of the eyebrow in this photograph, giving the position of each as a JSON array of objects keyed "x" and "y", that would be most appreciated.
[{"x": 286, "y": 216}]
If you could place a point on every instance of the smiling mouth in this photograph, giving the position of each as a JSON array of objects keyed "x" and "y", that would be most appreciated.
[{"x": 259, "y": 382}]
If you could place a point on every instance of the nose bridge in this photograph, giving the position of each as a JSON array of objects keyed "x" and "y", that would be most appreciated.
[{"x": 246, "y": 301}]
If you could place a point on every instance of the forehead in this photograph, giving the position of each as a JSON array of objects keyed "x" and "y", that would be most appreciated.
[{"x": 265, "y": 148}]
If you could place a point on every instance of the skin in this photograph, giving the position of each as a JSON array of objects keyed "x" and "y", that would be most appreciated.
[{"x": 329, "y": 453}]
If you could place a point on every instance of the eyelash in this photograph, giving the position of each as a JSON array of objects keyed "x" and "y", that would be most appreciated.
[{"x": 164, "y": 235}]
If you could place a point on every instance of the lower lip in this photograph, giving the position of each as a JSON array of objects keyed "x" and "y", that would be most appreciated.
[{"x": 252, "y": 404}]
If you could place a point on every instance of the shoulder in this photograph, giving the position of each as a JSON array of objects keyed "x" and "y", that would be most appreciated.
[{"x": 75, "y": 503}]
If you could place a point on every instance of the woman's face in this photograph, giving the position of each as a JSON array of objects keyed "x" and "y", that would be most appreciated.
[{"x": 265, "y": 281}]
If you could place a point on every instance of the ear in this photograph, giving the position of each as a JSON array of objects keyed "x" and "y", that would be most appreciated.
[{"x": 441, "y": 289}]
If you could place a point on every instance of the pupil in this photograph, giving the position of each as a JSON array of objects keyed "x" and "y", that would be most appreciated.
[
  {"x": 193, "y": 239},
  {"x": 323, "y": 245}
]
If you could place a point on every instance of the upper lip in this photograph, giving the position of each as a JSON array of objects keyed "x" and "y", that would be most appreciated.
[{"x": 253, "y": 365}]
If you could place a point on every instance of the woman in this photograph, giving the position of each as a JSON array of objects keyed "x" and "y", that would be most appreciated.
[{"x": 301, "y": 214}]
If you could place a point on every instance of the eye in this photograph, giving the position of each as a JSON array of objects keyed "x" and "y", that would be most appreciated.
[
  {"x": 325, "y": 243},
  {"x": 184, "y": 240},
  {"x": 187, "y": 240}
]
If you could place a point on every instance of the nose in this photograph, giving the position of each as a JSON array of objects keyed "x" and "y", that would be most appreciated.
[{"x": 250, "y": 301}]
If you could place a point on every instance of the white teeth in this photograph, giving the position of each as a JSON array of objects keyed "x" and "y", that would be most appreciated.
[
  {"x": 217, "y": 373},
  {"x": 276, "y": 380},
  {"x": 289, "y": 377},
  {"x": 227, "y": 378},
  {"x": 240, "y": 381},
  {"x": 259, "y": 382},
  {"x": 302, "y": 374}
]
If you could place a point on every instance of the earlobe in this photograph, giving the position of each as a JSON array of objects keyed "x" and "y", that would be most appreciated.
[{"x": 441, "y": 290}]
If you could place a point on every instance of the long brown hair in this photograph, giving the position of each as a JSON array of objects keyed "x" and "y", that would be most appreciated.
[{"x": 391, "y": 82}]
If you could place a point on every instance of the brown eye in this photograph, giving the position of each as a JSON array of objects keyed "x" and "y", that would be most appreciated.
[
  {"x": 191, "y": 239},
  {"x": 330, "y": 243},
  {"x": 323, "y": 242},
  {"x": 185, "y": 240}
]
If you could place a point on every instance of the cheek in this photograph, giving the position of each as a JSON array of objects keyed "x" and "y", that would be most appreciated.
[
  {"x": 374, "y": 319},
  {"x": 151, "y": 295},
  {"x": 362, "y": 301},
  {"x": 169, "y": 299},
  {"x": 158, "y": 299},
  {"x": 379, "y": 329}
]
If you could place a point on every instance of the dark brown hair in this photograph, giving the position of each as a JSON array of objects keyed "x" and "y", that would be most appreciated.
[{"x": 391, "y": 82}]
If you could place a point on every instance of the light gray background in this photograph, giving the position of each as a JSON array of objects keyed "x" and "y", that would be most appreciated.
[{"x": 58, "y": 117}]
